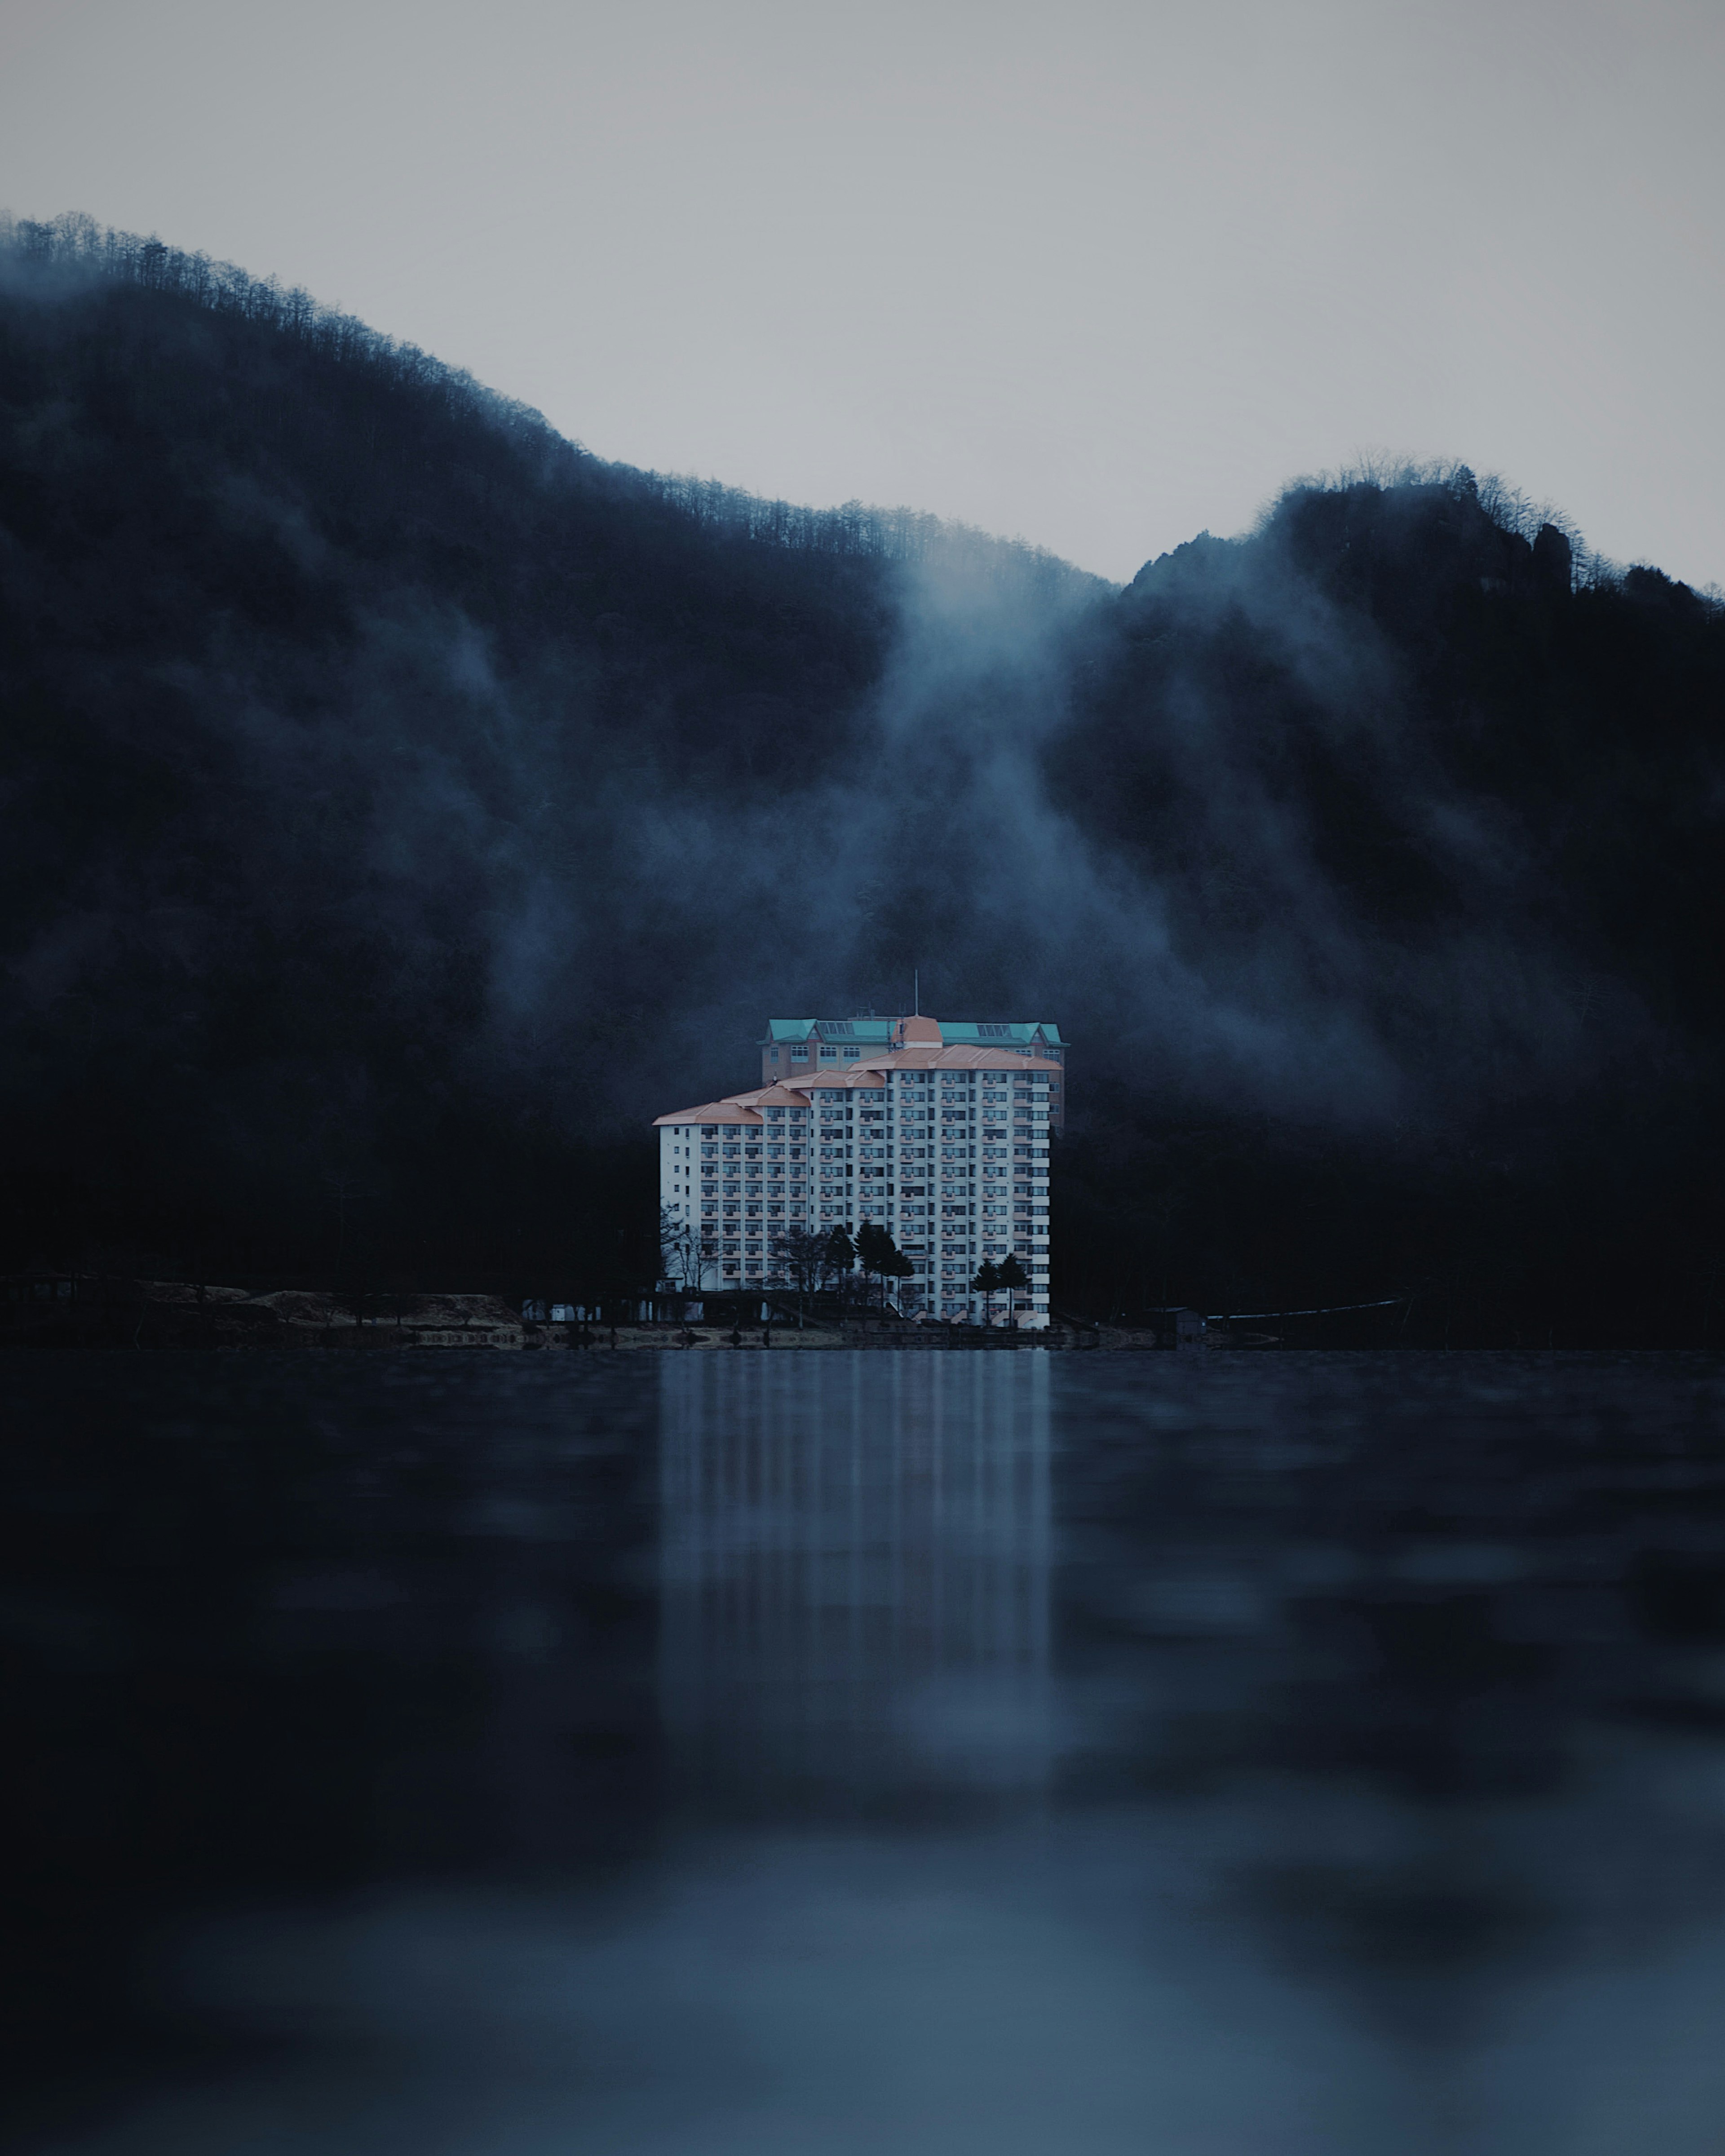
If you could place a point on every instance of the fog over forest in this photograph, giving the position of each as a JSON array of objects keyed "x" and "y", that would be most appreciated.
[{"x": 403, "y": 806}]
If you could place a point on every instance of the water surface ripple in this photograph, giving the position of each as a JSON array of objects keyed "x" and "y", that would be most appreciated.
[{"x": 866, "y": 1755}]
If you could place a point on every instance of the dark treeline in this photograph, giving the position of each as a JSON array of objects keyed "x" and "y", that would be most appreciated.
[
  {"x": 402, "y": 805},
  {"x": 1477, "y": 779}
]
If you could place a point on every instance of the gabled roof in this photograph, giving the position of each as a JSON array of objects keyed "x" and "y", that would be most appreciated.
[
  {"x": 844, "y": 1074},
  {"x": 864, "y": 1074},
  {"x": 919, "y": 1031},
  {"x": 1016, "y": 1034},
  {"x": 866, "y": 1032},
  {"x": 855, "y": 1028},
  {"x": 714, "y": 1112},
  {"x": 746, "y": 1107},
  {"x": 959, "y": 1058}
]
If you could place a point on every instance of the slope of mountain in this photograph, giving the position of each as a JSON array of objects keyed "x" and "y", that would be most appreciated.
[{"x": 402, "y": 805}]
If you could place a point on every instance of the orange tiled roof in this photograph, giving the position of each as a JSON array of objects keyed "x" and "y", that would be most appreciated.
[
  {"x": 745, "y": 1107},
  {"x": 957, "y": 1059},
  {"x": 853, "y": 1074},
  {"x": 714, "y": 1112}
]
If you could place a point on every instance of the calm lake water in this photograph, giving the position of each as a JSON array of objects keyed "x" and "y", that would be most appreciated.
[{"x": 866, "y": 1755}]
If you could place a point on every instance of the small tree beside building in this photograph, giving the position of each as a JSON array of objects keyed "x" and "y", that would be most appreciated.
[
  {"x": 840, "y": 1261},
  {"x": 881, "y": 1257},
  {"x": 679, "y": 1254},
  {"x": 873, "y": 1246},
  {"x": 986, "y": 1283},
  {"x": 800, "y": 1255}
]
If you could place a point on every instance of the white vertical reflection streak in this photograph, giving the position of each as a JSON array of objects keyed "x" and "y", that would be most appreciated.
[{"x": 855, "y": 1569}]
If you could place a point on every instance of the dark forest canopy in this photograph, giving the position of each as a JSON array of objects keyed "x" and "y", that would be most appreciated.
[{"x": 403, "y": 805}]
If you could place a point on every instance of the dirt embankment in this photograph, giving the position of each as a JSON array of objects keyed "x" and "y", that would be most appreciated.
[
  {"x": 73, "y": 1310},
  {"x": 48, "y": 1310}
]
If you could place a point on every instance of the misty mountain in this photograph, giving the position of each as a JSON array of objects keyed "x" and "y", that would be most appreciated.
[{"x": 403, "y": 805}]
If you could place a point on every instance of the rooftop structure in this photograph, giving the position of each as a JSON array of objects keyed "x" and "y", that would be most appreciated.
[
  {"x": 793, "y": 1047},
  {"x": 942, "y": 1143}
]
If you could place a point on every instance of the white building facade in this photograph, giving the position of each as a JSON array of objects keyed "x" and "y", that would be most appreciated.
[{"x": 945, "y": 1146}]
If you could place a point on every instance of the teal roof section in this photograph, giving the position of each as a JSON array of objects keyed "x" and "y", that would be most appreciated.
[
  {"x": 985, "y": 1032},
  {"x": 873, "y": 1032}
]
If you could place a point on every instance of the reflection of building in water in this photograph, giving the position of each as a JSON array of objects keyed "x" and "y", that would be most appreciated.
[{"x": 854, "y": 1569}]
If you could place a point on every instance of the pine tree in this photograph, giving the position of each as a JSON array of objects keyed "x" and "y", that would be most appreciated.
[
  {"x": 841, "y": 1259},
  {"x": 875, "y": 1249},
  {"x": 802, "y": 1254}
]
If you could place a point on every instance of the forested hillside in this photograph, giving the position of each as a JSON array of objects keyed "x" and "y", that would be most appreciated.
[
  {"x": 401, "y": 806},
  {"x": 1439, "y": 805}
]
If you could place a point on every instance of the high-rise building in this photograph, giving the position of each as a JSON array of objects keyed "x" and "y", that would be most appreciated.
[
  {"x": 943, "y": 1145},
  {"x": 795, "y": 1047}
]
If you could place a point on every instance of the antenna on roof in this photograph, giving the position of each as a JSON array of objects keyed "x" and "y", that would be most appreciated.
[{"x": 916, "y": 992}]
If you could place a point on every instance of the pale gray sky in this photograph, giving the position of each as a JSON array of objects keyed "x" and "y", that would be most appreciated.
[{"x": 1099, "y": 275}]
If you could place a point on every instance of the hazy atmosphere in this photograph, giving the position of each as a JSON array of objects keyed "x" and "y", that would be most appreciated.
[
  {"x": 1099, "y": 276},
  {"x": 862, "y": 1035}
]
